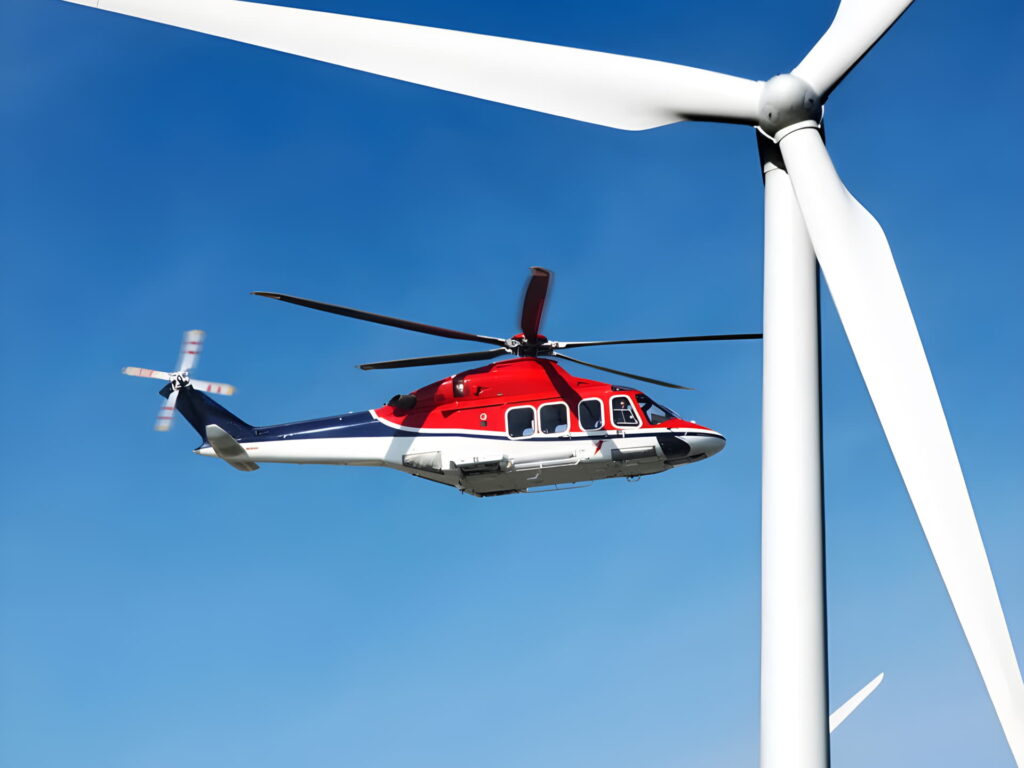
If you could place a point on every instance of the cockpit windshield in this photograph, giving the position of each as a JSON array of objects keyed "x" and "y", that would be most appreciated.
[{"x": 654, "y": 412}]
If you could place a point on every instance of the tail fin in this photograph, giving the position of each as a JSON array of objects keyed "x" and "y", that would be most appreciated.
[{"x": 201, "y": 410}]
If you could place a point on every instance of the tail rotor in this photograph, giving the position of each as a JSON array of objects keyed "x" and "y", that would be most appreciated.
[{"x": 191, "y": 346}]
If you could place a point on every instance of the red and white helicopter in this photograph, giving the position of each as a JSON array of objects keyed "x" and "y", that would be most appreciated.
[{"x": 508, "y": 427}]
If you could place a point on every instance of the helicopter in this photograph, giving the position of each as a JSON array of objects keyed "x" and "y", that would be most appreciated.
[{"x": 511, "y": 426}]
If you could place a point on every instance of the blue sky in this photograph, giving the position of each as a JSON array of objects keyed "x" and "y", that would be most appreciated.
[{"x": 158, "y": 609}]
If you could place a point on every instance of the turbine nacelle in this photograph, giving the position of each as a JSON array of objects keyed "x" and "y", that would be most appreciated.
[{"x": 788, "y": 101}]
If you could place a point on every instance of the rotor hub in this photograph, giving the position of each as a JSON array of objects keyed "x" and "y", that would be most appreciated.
[
  {"x": 785, "y": 101},
  {"x": 520, "y": 346}
]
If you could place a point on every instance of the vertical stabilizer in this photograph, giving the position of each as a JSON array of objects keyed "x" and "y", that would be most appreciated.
[{"x": 201, "y": 410}]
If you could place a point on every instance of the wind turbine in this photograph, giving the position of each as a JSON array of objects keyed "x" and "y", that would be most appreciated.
[{"x": 810, "y": 220}]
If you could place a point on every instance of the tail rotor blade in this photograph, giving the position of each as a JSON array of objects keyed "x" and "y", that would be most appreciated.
[
  {"x": 533, "y": 302},
  {"x": 212, "y": 387},
  {"x": 602, "y": 88},
  {"x": 145, "y": 373},
  {"x": 862, "y": 278},
  {"x": 191, "y": 346},
  {"x": 858, "y": 25},
  {"x": 165, "y": 416},
  {"x": 636, "y": 376}
]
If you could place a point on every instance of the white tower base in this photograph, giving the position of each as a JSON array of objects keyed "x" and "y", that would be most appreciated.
[{"x": 794, "y": 665}]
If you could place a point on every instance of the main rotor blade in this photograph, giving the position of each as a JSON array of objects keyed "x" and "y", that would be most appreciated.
[
  {"x": 720, "y": 337},
  {"x": 413, "y": 362},
  {"x": 603, "y": 88},
  {"x": 858, "y": 266},
  {"x": 533, "y": 302},
  {"x": 659, "y": 382},
  {"x": 858, "y": 25},
  {"x": 372, "y": 317}
]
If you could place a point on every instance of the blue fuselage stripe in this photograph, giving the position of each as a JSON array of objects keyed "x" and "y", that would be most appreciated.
[{"x": 362, "y": 424}]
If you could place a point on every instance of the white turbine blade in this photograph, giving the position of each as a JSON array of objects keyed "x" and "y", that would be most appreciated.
[
  {"x": 862, "y": 278},
  {"x": 837, "y": 717},
  {"x": 191, "y": 346},
  {"x": 858, "y": 25},
  {"x": 602, "y": 88},
  {"x": 212, "y": 387},
  {"x": 145, "y": 373},
  {"x": 165, "y": 416}
]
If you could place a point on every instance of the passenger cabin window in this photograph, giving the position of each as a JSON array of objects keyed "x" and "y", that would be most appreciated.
[
  {"x": 521, "y": 422},
  {"x": 623, "y": 414},
  {"x": 591, "y": 413},
  {"x": 554, "y": 418},
  {"x": 655, "y": 413}
]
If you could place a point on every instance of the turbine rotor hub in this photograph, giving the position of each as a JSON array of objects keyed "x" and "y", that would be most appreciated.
[{"x": 785, "y": 101}]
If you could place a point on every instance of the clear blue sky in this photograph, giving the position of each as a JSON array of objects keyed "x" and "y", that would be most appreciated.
[{"x": 158, "y": 609}]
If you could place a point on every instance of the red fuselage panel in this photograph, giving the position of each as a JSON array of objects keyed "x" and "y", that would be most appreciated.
[{"x": 478, "y": 399}]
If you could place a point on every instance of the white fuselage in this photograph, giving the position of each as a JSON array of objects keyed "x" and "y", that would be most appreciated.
[{"x": 484, "y": 463}]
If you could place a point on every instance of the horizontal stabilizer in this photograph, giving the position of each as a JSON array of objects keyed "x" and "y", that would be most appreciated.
[{"x": 229, "y": 449}]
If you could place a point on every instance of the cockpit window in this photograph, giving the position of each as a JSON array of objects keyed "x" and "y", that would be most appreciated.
[
  {"x": 521, "y": 422},
  {"x": 623, "y": 414},
  {"x": 654, "y": 412}
]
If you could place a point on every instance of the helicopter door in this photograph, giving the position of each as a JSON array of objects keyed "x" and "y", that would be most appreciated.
[
  {"x": 554, "y": 419},
  {"x": 591, "y": 414},
  {"x": 521, "y": 422}
]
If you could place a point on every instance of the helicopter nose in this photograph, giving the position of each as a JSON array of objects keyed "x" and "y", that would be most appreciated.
[
  {"x": 709, "y": 444},
  {"x": 690, "y": 446}
]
